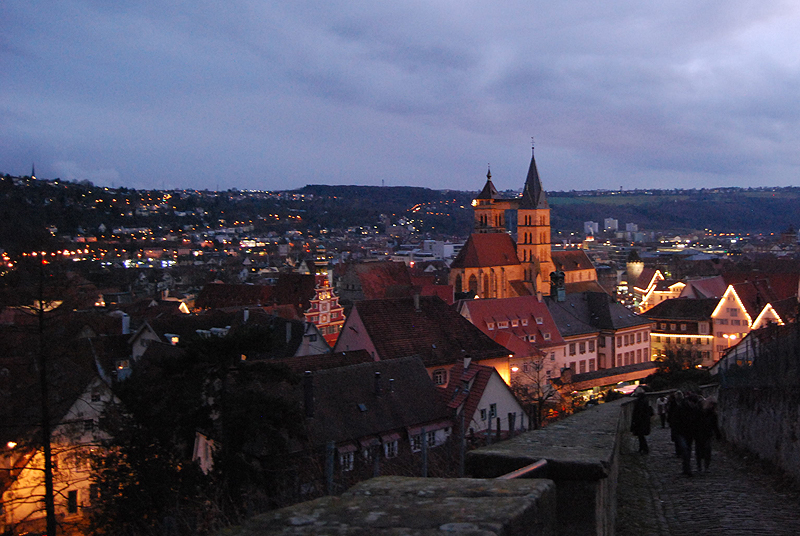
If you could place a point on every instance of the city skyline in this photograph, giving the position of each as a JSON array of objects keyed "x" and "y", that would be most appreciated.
[{"x": 269, "y": 96}]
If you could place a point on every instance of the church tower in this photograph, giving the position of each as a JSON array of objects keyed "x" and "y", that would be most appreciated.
[
  {"x": 490, "y": 209},
  {"x": 533, "y": 231}
]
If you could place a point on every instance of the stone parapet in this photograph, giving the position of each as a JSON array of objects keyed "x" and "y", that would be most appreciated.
[
  {"x": 419, "y": 506},
  {"x": 582, "y": 454}
]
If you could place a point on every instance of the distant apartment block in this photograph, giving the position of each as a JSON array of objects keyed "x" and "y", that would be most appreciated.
[
  {"x": 591, "y": 228},
  {"x": 610, "y": 224},
  {"x": 631, "y": 228}
]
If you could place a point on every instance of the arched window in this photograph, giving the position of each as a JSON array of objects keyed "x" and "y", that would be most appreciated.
[{"x": 473, "y": 284}]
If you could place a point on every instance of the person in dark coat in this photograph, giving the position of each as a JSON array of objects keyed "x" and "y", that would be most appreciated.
[
  {"x": 640, "y": 421},
  {"x": 686, "y": 421},
  {"x": 708, "y": 427}
]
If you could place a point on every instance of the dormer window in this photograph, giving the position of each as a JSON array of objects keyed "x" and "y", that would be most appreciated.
[
  {"x": 514, "y": 323},
  {"x": 539, "y": 320},
  {"x": 546, "y": 336},
  {"x": 490, "y": 325},
  {"x": 524, "y": 321},
  {"x": 503, "y": 324}
]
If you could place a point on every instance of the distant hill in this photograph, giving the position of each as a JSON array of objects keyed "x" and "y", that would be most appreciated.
[{"x": 736, "y": 210}]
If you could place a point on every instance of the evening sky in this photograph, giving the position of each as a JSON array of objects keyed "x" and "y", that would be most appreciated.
[{"x": 258, "y": 94}]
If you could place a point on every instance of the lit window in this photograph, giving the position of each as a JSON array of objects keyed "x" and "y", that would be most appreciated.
[
  {"x": 390, "y": 449},
  {"x": 440, "y": 377},
  {"x": 492, "y": 411},
  {"x": 346, "y": 460},
  {"x": 431, "y": 439}
]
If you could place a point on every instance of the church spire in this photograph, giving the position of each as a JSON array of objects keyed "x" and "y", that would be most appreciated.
[
  {"x": 489, "y": 191},
  {"x": 533, "y": 195}
]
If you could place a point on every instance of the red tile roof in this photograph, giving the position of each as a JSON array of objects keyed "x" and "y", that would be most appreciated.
[
  {"x": 218, "y": 295},
  {"x": 467, "y": 386},
  {"x": 527, "y": 308},
  {"x": 487, "y": 249},
  {"x": 571, "y": 260},
  {"x": 435, "y": 332}
]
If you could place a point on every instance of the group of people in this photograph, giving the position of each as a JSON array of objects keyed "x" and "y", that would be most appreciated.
[{"x": 692, "y": 420}]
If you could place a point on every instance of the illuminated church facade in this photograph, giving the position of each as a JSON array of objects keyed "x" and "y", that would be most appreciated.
[{"x": 492, "y": 264}]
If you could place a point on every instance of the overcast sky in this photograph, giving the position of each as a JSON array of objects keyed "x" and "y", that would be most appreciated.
[{"x": 276, "y": 95}]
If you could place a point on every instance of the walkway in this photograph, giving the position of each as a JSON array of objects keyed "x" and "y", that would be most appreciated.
[{"x": 738, "y": 496}]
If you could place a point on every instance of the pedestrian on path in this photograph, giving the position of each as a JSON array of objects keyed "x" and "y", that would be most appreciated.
[
  {"x": 708, "y": 428},
  {"x": 686, "y": 422},
  {"x": 640, "y": 420},
  {"x": 661, "y": 409}
]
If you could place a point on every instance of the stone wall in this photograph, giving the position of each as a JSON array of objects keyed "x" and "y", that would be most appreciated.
[
  {"x": 765, "y": 421},
  {"x": 575, "y": 493},
  {"x": 582, "y": 454}
]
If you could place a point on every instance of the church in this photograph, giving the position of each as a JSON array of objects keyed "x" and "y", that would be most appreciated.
[{"x": 492, "y": 264}]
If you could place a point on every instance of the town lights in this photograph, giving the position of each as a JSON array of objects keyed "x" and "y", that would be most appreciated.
[{"x": 515, "y": 369}]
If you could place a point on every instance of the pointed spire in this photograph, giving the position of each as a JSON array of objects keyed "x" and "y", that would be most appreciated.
[
  {"x": 33, "y": 171},
  {"x": 533, "y": 196},
  {"x": 489, "y": 191}
]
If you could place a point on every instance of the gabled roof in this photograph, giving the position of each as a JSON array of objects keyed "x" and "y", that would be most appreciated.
[
  {"x": 218, "y": 295},
  {"x": 683, "y": 309},
  {"x": 467, "y": 386},
  {"x": 571, "y": 260},
  {"x": 646, "y": 278},
  {"x": 435, "y": 332},
  {"x": 325, "y": 361},
  {"x": 294, "y": 289},
  {"x": 379, "y": 279},
  {"x": 590, "y": 312},
  {"x": 533, "y": 196},
  {"x": 529, "y": 308},
  {"x": 710, "y": 287},
  {"x": 484, "y": 250},
  {"x": 347, "y": 408},
  {"x": 71, "y": 368}
]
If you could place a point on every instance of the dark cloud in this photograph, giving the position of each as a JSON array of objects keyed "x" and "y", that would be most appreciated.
[{"x": 257, "y": 94}]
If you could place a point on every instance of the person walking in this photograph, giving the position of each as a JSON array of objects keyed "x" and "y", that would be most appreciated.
[
  {"x": 661, "y": 410},
  {"x": 708, "y": 427},
  {"x": 685, "y": 424},
  {"x": 640, "y": 420}
]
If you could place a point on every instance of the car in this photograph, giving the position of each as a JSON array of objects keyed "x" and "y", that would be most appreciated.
[{"x": 625, "y": 388}]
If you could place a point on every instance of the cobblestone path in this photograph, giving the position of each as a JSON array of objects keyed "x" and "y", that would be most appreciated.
[{"x": 738, "y": 496}]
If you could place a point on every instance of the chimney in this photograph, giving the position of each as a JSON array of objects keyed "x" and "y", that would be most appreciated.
[
  {"x": 126, "y": 324},
  {"x": 288, "y": 331},
  {"x": 467, "y": 361},
  {"x": 557, "y": 289},
  {"x": 245, "y": 316},
  {"x": 416, "y": 302},
  {"x": 308, "y": 393},
  {"x": 391, "y": 385},
  {"x": 378, "y": 384}
]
